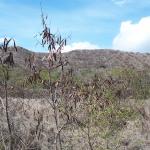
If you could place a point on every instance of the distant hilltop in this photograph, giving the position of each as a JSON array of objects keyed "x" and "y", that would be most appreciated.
[{"x": 93, "y": 59}]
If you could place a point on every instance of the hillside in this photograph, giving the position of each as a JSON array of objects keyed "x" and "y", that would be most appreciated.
[
  {"x": 105, "y": 58},
  {"x": 76, "y": 110},
  {"x": 93, "y": 59}
]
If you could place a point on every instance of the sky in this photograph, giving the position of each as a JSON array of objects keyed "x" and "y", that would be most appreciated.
[{"x": 87, "y": 24}]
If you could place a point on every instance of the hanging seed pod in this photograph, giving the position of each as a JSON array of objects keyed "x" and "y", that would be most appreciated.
[
  {"x": 42, "y": 43},
  {"x": 45, "y": 35},
  {"x": 58, "y": 49},
  {"x": 57, "y": 40},
  {"x": 49, "y": 31},
  {"x": 65, "y": 42},
  {"x": 49, "y": 48},
  {"x": 60, "y": 38},
  {"x": 54, "y": 55},
  {"x": 15, "y": 46},
  {"x": 7, "y": 42},
  {"x": 4, "y": 46},
  {"x": 53, "y": 44}
]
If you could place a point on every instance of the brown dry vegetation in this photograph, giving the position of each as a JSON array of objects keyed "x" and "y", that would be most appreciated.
[
  {"x": 58, "y": 105},
  {"x": 106, "y": 112}
]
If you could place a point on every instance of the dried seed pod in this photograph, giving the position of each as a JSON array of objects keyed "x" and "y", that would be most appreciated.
[
  {"x": 65, "y": 42},
  {"x": 54, "y": 55}
]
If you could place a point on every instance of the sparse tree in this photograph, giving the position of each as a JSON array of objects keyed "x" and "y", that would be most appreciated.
[{"x": 5, "y": 69}]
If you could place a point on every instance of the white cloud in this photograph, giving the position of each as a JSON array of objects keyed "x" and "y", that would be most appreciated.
[
  {"x": 133, "y": 37},
  {"x": 119, "y": 2},
  {"x": 80, "y": 46}
]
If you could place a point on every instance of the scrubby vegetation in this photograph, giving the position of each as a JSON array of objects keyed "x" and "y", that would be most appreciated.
[
  {"x": 86, "y": 115},
  {"x": 89, "y": 109}
]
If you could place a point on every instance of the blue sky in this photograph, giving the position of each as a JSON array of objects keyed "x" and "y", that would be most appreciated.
[{"x": 88, "y": 23}]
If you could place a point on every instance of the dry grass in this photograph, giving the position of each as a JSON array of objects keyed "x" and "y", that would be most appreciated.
[{"x": 28, "y": 133}]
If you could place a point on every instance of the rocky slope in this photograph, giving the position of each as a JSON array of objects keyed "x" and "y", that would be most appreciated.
[
  {"x": 93, "y": 59},
  {"x": 104, "y": 58}
]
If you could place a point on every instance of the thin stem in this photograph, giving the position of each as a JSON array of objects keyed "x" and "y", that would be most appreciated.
[
  {"x": 88, "y": 134},
  {"x": 7, "y": 115}
]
